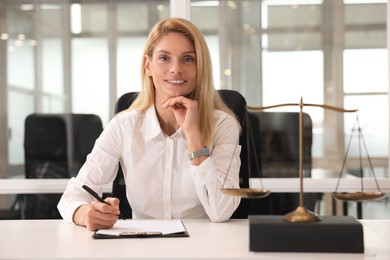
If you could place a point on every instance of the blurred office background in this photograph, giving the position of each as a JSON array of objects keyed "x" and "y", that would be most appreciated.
[{"x": 79, "y": 56}]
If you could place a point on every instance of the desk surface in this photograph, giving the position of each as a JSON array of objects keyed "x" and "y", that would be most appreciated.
[
  {"x": 27, "y": 186},
  {"x": 50, "y": 239}
]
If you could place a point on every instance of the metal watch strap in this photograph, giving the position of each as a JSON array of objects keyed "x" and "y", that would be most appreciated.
[{"x": 202, "y": 152}]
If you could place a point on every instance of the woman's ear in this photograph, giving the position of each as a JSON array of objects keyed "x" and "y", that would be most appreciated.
[{"x": 147, "y": 65}]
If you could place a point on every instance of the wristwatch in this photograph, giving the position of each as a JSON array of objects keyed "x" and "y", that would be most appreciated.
[{"x": 202, "y": 152}]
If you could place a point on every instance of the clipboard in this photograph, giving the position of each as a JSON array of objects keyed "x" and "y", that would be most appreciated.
[{"x": 145, "y": 228}]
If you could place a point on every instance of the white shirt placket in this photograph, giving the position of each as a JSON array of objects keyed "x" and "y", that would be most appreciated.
[{"x": 168, "y": 173}]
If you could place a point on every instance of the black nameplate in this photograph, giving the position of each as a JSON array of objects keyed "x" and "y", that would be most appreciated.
[{"x": 332, "y": 234}]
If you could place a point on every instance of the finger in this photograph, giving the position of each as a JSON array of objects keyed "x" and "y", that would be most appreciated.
[
  {"x": 168, "y": 102},
  {"x": 114, "y": 202},
  {"x": 96, "y": 219},
  {"x": 95, "y": 224},
  {"x": 106, "y": 208},
  {"x": 103, "y": 218},
  {"x": 179, "y": 102}
]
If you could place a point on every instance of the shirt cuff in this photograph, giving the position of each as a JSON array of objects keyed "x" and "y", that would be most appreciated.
[
  {"x": 203, "y": 173},
  {"x": 67, "y": 214}
]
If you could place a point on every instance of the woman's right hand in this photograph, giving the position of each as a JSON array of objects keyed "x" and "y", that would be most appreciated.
[{"x": 97, "y": 215}]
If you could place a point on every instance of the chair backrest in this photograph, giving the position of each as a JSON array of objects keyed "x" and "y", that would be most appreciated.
[
  {"x": 86, "y": 128},
  {"x": 274, "y": 144},
  {"x": 236, "y": 102},
  {"x": 125, "y": 101},
  {"x": 55, "y": 146},
  {"x": 59, "y": 139},
  {"x": 45, "y": 146}
]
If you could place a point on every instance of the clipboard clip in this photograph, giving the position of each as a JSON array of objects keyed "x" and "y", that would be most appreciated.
[{"x": 141, "y": 234}]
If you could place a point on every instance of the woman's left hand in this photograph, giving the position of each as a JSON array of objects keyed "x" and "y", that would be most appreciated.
[
  {"x": 186, "y": 114},
  {"x": 185, "y": 111}
]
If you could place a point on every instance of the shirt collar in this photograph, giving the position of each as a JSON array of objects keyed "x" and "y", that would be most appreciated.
[{"x": 153, "y": 128}]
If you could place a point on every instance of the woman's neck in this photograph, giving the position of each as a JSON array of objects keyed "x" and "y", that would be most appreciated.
[{"x": 167, "y": 121}]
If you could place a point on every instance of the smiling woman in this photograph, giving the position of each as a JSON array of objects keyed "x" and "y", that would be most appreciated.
[
  {"x": 177, "y": 124},
  {"x": 172, "y": 67}
]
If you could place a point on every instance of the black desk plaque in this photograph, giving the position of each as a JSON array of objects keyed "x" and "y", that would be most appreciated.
[{"x": 332, "y": 234}]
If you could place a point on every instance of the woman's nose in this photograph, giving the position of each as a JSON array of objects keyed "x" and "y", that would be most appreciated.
[{"x": 176, "y": 67}]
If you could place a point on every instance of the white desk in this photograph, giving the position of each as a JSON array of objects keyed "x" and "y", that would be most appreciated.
[
  {"x": 51, "y": 239},
  {"x": 31, "y": 186}
]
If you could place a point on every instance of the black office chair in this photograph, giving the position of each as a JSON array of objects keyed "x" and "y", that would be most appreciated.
[
  {"x": 86, "y": 129},
  {"x": 13, "y": 212},
  {"x": 55, "y": 146},
  {"x": 236, "y": 102},
  {"x": 118, "y": 185},
  {"x": 274, "y": 153}
]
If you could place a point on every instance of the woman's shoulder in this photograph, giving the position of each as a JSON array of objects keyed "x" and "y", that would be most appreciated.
[
  {"x": 223, "y": 118},
  {"x": 128, "y": 116},
  {"x": 220, "y": 114},
  {"x": 225, "y": 125}
]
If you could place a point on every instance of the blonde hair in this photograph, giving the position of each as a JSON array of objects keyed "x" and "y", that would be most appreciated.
[{"x": 204, "y": 93}]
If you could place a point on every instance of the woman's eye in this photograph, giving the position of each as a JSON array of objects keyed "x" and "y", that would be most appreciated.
[
  {"x": 164, "y": 58},
  {"x": 188, "y": 59}
]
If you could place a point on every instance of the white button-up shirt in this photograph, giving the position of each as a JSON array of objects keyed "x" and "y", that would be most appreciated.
[{"x": 160, "y": 180}]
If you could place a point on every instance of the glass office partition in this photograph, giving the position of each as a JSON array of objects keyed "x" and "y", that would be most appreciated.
[
  {"x": 16, "y": 117},
  {"x": 90, "y": 59},
  {"x": 327, "y": 52},
  {"x": 261, "y": 40},
  {"x": 51, "y": 48},
  {"x": 20, "y": 49},
  {"x": 90, "y": 76},
  {"x": 278, "y": 51},
  {"x": 61, "y": 54},
  {"x": 131, "y": 39},
  {"x": 366, "y": 73},
  {"x": 107, "y": 49},
  {"x": 35, "y": 70}
]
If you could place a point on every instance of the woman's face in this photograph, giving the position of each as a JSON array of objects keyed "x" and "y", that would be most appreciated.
[{"x": 172, "y": 66}]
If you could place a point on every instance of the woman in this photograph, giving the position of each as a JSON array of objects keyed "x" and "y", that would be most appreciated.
[{"x": 177, "y": 143}]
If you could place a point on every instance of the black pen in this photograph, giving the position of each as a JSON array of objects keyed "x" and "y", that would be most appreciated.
[{"x": 96, "y": 196}]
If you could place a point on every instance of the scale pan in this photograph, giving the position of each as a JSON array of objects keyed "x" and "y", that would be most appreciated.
[
  {"x": 359, "y": 196},
  {"x": 247, "y": 192}
]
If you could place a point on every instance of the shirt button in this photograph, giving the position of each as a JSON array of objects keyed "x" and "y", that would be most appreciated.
[{"x": 168, "y": 166}]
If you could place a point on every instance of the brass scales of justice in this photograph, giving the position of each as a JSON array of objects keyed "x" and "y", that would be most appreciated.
[{"x": 301, "y": 214}]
